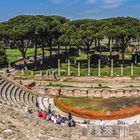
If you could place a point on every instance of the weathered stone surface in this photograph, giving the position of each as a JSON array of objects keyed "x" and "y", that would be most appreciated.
[
  {"x": 106, "y": 93},
  {"x": 21, "y": 126}
]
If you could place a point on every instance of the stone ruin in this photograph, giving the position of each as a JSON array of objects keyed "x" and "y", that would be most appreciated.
[
  {"x": 18, "y": 124},
  {"x": 48, "y": 76}
]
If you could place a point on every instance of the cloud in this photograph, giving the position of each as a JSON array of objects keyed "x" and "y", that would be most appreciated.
[
  {"x": 112, "y": 3},
  {"x": 107, "y": 3}
]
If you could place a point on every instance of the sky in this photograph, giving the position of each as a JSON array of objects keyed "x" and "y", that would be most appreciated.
[{"x": 72, "y": 9}]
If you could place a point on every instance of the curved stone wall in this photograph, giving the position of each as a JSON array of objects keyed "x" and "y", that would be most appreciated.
[
  {"x": 14, "y": 94},
  {"x": 91, "y": 92}
]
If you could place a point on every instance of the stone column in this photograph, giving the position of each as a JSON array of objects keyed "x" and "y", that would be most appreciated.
[
  {"x": 132, "y": 69},
  {"x": 121, "y": 69},
  {"x": 47, "y": 72},
  {"x": 41, "y": 62},
  {"x": 32, "y": 73},
  {"x": 112, "y": 72},
  {"x": 41, "y": 72},
  {"x": 59, "y": 69},
  {"x": 79, "y": 72},
  {"x": 75, "y": 61},
  {"x": 9, "y": 64},
  {"x": 26, "y": 68},
  {"x": 89, "y": 67},
  {"x": 136, "y": 60},
  {"x": 22, "y": 71},
  {"x": 69, "y": 68},
  {"x": 99, "y": 67}
]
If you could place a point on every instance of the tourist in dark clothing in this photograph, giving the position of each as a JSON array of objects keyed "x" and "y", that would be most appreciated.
[
  {"x": 37, "y": 105},
  {"x": 49, "y": 109},
  {"x": 69, "y": 117},
  {"x": 70, "y": 120}
]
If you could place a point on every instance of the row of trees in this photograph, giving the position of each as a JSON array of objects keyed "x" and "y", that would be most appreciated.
[
  {"x": 2, "y": 56},
  {"x": 45, "y": 31}
]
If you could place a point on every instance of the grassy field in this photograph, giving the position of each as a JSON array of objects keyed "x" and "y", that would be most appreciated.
[
  {"x": 14, "y": 54},
  {"x": 102, "y": 105},
  {"x": 105, "y": 71}
]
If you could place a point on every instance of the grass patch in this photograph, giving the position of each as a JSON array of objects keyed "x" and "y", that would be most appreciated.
[
  {"x": 101, "y": 104},
  {"x": 59, "y": 85},
  {"x": 101, "y": 87},
  {"x": 14, "y": 54}
]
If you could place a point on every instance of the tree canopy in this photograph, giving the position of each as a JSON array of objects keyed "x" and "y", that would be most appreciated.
[{"x": 47, "y": 31}]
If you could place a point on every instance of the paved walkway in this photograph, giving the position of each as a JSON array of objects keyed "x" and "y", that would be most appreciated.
[{"x": 44, "y": 105}]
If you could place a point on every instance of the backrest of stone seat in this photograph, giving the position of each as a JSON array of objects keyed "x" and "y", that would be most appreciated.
[
  {"x": 7, "y": 94},
  {"x": 21, "y": 97},
  {"x": 14, "y": 95},
  {"x": 3, "y": 85},
  {"x": 31, "y": 99},
  {"x": 17, "y": 97},
  {"x": 14, "y": 92}
]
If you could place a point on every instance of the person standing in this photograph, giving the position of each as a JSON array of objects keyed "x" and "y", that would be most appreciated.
[
  {"x": 49, "y": 109},
  {"x": 69, "y": 119},
  {"x": 37, "y": 105}
]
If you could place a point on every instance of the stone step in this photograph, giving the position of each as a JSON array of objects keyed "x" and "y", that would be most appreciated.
[
  {"x": 31, "y": 99},
  {"x": 35, "y": 99},
  {"x": 9, "y": 94},
  {"x": 2, "y": 87},
  {"x": 1, "y": 81},
  {"x": 41, "y": 104},
  {"x": 14, "y": 96},
  {"x": 18, "y": 92},
  {"x": 44, "y": 103},
  {"x": 26, "y": 98},
  {"x": 6, "y": 94},
  {"x": 21, "y": 97},
  {"x": 4, "y": 91}
]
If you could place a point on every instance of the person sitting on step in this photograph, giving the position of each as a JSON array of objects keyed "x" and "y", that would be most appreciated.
[
  {"x": 39, "y": 113},
  {"x": 59, "y": 119},
  {"x": 44, "y": 114}
]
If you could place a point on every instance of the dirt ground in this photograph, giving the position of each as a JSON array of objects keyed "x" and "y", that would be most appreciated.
[{"x": 111, "y": 82}]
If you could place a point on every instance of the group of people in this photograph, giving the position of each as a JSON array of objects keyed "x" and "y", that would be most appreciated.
[{"x": 51, "y": 116}]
